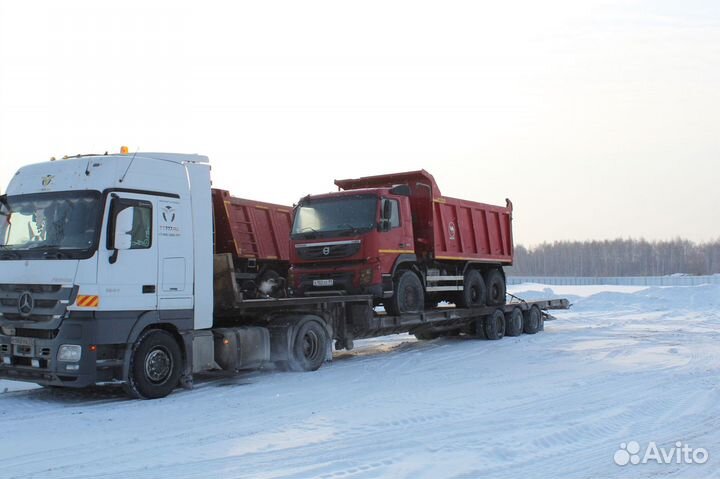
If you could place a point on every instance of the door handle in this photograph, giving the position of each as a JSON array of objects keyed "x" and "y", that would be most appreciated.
[
  {"x": 148, "y": 288},
  {"x": 403, "y": 245}
]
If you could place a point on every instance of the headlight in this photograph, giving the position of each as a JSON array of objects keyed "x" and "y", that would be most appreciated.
[
  {"x": 366, "y": 276},
  {"x": 69, "y": 352}
]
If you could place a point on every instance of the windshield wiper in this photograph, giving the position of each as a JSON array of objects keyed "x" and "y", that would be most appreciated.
[
  {"x": 50, "y": 249},
  {"x": 307, "y": 234},
  {"x": 43, "y": 246},
  {"x": 8, "y": 253},
  {"x": 352, "y": 229}
]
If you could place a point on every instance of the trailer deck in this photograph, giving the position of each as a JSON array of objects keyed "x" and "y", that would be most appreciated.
[{"x": 354, "y": 317}]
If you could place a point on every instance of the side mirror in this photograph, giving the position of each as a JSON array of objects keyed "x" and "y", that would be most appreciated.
[{"x": 383, "y": 226}]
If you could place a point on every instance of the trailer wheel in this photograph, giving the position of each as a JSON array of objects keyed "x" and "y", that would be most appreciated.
[
  {"x": 309, "y": 347},
  {"x": 532, "y": 318},
  {"x": 155, "y": 365},
  {"x": 495, "y": 325},
  {"x": 474, "y": 291},
  {"x": 409, "y": 296},
  {"x": 495, "y": 287},
  {"x": 514, "y": 323}
]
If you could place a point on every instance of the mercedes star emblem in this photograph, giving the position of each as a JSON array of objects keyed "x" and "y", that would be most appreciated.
[{"x": 25, "y": 304}]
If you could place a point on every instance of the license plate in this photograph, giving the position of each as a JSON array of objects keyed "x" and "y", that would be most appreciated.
[
  {"x": 322, "y": 282},
  {"x": 22, "y": 341}
]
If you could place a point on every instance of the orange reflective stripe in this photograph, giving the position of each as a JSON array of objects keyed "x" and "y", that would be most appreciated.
[{"x": 88, "y": 301}]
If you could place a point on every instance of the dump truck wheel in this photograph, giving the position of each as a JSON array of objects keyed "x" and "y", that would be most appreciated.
[
  {"x": 309, "y": 347},
  {"x": 532, "y": 318},
  {"x": 474, "y": 291},
  {"x": 495, "y": 288},
  {"x": 495, "y": 325},
  {"x": 155, "y": 365},
  {"x": 408, "y": 297}
]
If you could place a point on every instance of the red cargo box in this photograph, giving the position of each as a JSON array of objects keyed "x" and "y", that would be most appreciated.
[
  {"x": 466, "y": 230},
  {"x": 449, "y": 228},
  {"x": 251, "y": 229}
]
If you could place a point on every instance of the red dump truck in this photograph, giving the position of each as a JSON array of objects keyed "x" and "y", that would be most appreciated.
[
  {"x": 398, "y": 238},
  {"x": 255, "y": 234}
]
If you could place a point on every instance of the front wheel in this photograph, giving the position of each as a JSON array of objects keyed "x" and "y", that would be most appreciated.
[
  {"x": 155, "y": 365},
  {"x": 409, "y": 296}
]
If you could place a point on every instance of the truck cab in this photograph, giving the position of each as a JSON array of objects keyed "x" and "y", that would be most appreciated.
[
  {"x": 96, "y": 249},
  {"x": 343, "y": 243}
]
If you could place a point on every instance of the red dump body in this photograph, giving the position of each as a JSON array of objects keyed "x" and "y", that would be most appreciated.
[
  {"x": 251, "y": 229},
  {"x": 447, "y": 228}
]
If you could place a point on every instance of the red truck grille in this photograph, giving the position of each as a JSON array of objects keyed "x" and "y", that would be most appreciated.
[{"x": 328, "y": 251}]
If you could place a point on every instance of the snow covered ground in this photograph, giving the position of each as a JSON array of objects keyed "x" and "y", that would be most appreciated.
[{"x": 624, "y": 364}]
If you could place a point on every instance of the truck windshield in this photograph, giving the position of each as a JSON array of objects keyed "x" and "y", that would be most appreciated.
[
  {"x": 337, "y": 216},
  {"x": 64, "y": 224}
]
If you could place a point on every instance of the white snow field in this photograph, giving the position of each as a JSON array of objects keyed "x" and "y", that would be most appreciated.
[{"x": 624, "y": 364}]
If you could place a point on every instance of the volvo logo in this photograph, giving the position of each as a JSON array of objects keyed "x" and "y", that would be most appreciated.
[
  {"x": 25, "y": 304},
  {"x": 326, "y": 251}
]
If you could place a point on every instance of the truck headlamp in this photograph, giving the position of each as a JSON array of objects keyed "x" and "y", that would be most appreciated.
[
  {"x": 366, "y": 276},
  {"x": 69, "y": 353}
]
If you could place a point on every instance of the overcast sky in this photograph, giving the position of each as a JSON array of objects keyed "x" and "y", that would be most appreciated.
[{"x": 599, "y": 119}]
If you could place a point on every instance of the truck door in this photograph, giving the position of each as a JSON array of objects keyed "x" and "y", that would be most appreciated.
[
  {"x": 128, "y": 262},
  {"x": 397, "y": 239},
  {"x": 175, "y": 252}
]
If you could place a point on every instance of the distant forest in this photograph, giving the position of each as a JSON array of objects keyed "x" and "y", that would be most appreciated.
[{"x": 621, "y": 257}]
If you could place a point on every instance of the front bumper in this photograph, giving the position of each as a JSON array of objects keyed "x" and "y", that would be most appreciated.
[
  {"x": 32, "y": 355},
  {"x": 344, "y": 281}
]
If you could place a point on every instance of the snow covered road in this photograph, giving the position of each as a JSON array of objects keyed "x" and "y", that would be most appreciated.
[{"x": 624, "y": 364}]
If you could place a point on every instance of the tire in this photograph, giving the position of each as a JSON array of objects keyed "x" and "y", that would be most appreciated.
[
  {"x": 409, "y": 296},
  {"x": 495, "y": 325},
  {"x": 514, "y": 323},
  {"x": 531, "y": 320},
  {"x": 155, "y": 365},
  {"x": 309, "y": 347},
  {"x": 495, "y": 288},
  {"x": 474, "y": 291}
]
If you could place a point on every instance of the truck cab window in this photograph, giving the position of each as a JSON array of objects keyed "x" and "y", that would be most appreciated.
[
  {"x": 394, "y": 212},
  {"x": 141, "y": 232}
]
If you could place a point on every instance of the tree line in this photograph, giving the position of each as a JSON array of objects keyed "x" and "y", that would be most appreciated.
[{"x": 620, "y": 257}]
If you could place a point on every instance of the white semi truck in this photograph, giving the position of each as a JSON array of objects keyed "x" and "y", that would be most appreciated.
[{"x": 108, "y": 276}]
